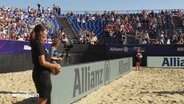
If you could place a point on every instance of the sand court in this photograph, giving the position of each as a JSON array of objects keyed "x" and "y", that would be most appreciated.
[{"x": 148, "y": 86}]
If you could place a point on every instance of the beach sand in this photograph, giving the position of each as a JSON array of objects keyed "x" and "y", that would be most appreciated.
[
  {"x": 17, "y": 88},
  {"x": 148, "y": 86}
]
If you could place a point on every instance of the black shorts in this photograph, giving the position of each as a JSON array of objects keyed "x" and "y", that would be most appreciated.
[
  {"x": 42, "y": 82},
  {"x": 138, "y": 60}
]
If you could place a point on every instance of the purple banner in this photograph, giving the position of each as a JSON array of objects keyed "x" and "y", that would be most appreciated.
[{"x": 15, "y": 47}]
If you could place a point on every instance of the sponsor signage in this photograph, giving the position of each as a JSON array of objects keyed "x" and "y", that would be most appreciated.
[
  {"x": 77, "y": 81},
  {"x": 86, "y": 78},
  {"x": 180, "y": 49},
  {"x": 149, "y": 50},
  {"x": 15, "y": 47},
  {"x": 27, "y": 47},
  {"x": 166, "y": 61}
]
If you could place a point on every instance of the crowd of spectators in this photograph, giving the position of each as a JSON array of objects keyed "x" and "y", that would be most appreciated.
[
  {"x": 16, "y": 23},
  {"x": 87, "y": 37},
  {"x": 147, "y": 27}
]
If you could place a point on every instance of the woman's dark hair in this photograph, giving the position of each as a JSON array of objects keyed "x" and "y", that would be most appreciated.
[{"x": 34, "y": 35}]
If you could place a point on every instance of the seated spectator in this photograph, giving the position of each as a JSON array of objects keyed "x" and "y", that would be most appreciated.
[{"x": 18, "y": 23}]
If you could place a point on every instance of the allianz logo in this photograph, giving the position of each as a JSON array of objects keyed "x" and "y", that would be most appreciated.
[
  {"x": 86, "y": 79},
  {"x": 173, "y": 61}
]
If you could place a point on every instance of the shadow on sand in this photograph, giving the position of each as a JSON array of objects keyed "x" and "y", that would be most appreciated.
[
  {"x": 169, "y": 92},
  {"x": 31, "y": 100}
]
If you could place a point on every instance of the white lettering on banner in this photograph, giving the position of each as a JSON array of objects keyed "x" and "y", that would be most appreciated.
[
  {"x": 172, "y": 61},
  {"x": 180, "y": 49},
  {"x": 27, "y": 47},
  {"x": 125, "y": 49},
  {"x": 116, "y": 49},
  {"x": 85, "y": 79}
]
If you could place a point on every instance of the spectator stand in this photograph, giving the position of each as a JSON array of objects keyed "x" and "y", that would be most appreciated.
[{"x": 141, "y": 27}]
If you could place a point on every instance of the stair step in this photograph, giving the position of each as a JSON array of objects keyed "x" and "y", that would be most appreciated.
[{"x": 68, "y": 29}]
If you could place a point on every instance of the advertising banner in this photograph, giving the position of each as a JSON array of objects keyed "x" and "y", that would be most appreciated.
[
  {"x": 77, "y": 81},
  {"x": 166, "y": 61},
  {"x": 148, "y": 50},
  {"x": 15, "y": 47}
]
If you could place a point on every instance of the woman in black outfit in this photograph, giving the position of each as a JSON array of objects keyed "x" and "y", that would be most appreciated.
[
  {"x": 138, "y": 59},
  {"x": 42, "y": 66}
]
